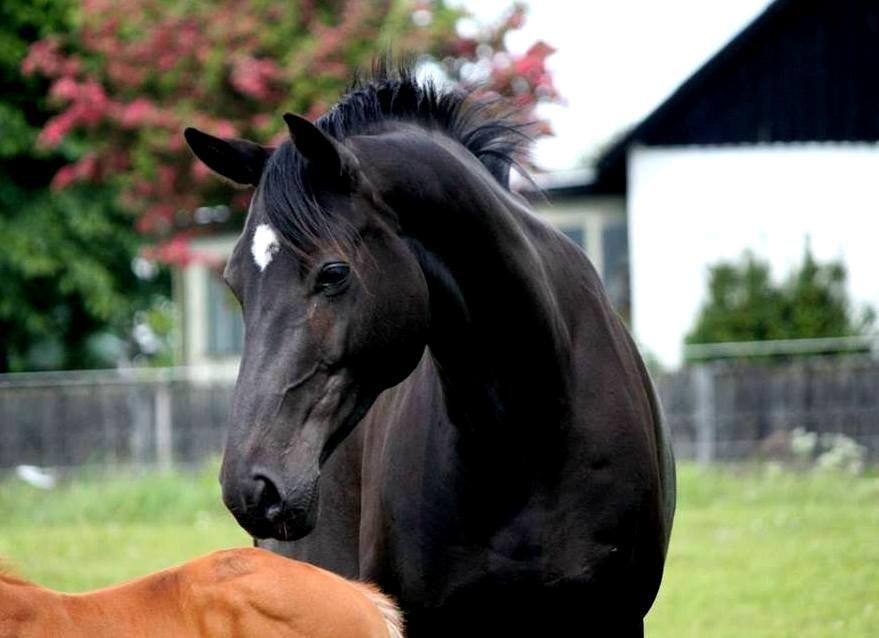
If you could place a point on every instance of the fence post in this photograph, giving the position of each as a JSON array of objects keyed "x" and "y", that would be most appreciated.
[
  {"x": 705, "y": 415},
  {"x": 164, "y": 425}
]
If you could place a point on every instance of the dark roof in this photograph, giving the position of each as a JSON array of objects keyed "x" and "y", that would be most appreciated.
[{"x": 803, "y": 71}]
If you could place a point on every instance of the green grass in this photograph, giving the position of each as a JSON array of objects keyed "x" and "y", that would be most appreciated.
[
  {"x": 762, "y": 553},
  {"x": 94, "y": 531},
  {"x": 754, "y": 553}
]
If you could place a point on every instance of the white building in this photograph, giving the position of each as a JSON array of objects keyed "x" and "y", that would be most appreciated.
[{"x": 772, "y": 143}]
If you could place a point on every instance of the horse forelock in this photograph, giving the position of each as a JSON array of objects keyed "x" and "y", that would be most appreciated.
[
  {"x": 487, "y": 127},
  {"x": 292, "y": 208}
]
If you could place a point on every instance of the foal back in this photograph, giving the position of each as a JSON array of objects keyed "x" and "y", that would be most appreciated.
[{"x": 239, "y": 593}]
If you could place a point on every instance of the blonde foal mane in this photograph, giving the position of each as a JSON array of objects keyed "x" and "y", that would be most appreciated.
[{"x": 388, "y": 608}]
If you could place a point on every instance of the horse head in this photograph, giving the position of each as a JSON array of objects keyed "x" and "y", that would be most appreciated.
[{"x": 335, "y": 310}]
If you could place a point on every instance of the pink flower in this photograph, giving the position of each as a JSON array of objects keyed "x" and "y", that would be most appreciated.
[
  {"x": 86, "y": 168},
  {"x": 254, "y": 77},
  {"x": 157, "y": 219},
  {"x": 224, "y": 128},
  {"x": 65, "y": 176},
  {"x": 516, "y": 18},
  {"x": 42, "y": 56},
  {"x": 200, "y": 172},
  {"x": 137, "y": 112},
  {"x": 540, "y": 50},
  {"x": 165, "y": 178},
  {"x": 65, "y": 88},
  {"x": 56, "y": 128},
  {"x": 174, "y": 251}
]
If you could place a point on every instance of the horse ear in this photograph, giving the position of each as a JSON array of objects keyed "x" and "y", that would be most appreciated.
[
  {"x": 239, "y": 161},
  {"x": 321, "y": 151}
]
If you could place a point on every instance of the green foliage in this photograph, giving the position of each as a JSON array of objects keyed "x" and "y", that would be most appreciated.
[
  {"x": 744, "y": 304},
  {"x": 67, "y": 291}
]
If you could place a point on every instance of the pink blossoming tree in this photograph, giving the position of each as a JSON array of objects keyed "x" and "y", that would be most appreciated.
[{"x": 135, "y": 72}]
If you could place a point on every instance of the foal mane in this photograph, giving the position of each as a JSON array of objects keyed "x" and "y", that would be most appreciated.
[
  {"x": 487, "y": 127},
  {"x": 390, "y": 612}
]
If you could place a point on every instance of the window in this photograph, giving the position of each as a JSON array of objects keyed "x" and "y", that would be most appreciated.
[
  {"x": 615, "y": 263},
  {"x": 225, "y": 326},
  {"x": 575, "y": 234}
]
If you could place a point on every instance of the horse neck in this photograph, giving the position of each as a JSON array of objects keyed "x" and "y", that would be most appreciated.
[
  {"x": 113, "y": 611},
  {"x": 496, "y": 330},
  {"x": 22, "y": 603}
]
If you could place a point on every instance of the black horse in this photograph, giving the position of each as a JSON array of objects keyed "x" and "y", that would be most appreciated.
[{"x": 435, "y": 393}]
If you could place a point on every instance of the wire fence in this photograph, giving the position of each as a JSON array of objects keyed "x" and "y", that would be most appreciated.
[
  {"x": 171, "y": 417},
  {"x": 727, "y": 410},
  {"x": 142, "y": 418}
]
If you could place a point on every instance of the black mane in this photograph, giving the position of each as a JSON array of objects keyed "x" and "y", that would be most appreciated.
[{"x": 487, "y": 127}]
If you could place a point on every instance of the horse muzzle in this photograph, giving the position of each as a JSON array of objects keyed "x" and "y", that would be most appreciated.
[{"x": 265, "y": 509}]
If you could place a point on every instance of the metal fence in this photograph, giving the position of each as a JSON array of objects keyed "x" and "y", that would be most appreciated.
[
  {"x": 728, "y": 411},
  {"x": 163, "y": 418},
  {"x": 133, "y": 418}
]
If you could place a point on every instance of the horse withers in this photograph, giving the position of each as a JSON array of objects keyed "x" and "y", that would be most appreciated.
[
  {"x": 435, "y": 393},
  {"x": 237, "y": 593}
]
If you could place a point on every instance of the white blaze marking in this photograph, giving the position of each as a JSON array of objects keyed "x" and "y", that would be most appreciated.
[{"x": 265, "y": 245}]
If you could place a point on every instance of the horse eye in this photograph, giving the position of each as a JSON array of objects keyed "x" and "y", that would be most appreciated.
[{"x": 332, "y": 276}]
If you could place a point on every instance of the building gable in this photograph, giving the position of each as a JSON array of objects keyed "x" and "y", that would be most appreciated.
[{"x": 803, "y": 71}]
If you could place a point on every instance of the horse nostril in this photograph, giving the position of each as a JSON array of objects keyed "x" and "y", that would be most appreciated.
[
  {"x": 273, "y": 512},
  {"x": 268, "y": 499}
]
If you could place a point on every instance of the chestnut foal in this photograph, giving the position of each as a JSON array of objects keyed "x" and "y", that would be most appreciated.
[{"x": 236, "y": 593}]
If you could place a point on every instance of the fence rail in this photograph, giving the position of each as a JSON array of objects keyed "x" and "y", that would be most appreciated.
[
  {"x": 167, "y": 417},
  {"x": 727, "y": 410},
  {"x": 140, "y": 418}
]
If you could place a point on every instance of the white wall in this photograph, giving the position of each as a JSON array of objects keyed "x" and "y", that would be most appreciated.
[
  {"x": 691, "y": 207},
  {"x": 193, "y": 301}
]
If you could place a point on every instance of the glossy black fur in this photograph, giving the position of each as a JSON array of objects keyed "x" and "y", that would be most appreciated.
[{"x": 465, "y": 420}]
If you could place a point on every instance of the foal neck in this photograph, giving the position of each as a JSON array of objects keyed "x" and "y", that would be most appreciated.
[{"x": 124, "y": 610}]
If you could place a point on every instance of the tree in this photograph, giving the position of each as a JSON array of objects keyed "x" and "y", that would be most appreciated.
[
  {"x": 135, "y": 72},
  {"x": 124, "y": 77},
  {"x": 67, "y": 290},
  {"x": 745, "y": 305}
]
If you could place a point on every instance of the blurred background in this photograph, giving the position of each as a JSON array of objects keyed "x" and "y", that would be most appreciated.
[{"x": 718, "y": 163}]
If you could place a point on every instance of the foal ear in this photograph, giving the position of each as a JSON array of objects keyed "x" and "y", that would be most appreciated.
[
  {"x": 323, "y": 152},
  {"x": 239, "y": 161}
]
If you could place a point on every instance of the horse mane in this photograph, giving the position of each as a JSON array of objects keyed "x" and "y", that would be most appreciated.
[
  {"x": 486, "y": 126},
  {"x": 388, "y": 608}
]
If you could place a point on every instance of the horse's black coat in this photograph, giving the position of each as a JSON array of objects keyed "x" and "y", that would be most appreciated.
[{"x": 441, "y": 377}]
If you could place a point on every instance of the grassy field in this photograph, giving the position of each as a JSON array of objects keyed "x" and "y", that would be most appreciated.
[
  {"x": 93, "y": 532},
  {"x": 754, "y": 553},
  {"x": 767, "y": 554}
]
